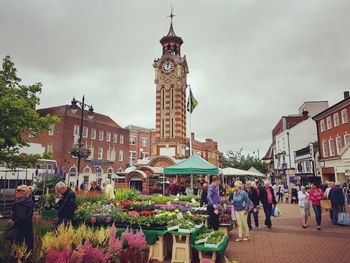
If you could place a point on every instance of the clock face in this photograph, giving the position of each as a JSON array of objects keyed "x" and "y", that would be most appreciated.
[{"x": 167, "y": 66}]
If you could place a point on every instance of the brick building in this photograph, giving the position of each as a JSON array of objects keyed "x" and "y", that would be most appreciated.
[
  {"x": 333, "y": 129},
  {"x": 107, "y": 141},
  {"x": 140, "y": 143}
]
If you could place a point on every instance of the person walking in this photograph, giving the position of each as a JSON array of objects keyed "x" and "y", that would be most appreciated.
[
  {"x": 267, "y": 198},
  {"x": 315, "y": 196},
  {"x": 303, "y": 201},
  {"x": 22, "y": 218},
  {"x": 214, "y": 203},
  {"x": 336, "y": 196},
  {"x": 241, "y": 203},
  {"x": 204, "y": 195},
  {"x": 109, "y": 191},
  {"x": 66, "y": 204},
  {"x": 254, "y": 197}
]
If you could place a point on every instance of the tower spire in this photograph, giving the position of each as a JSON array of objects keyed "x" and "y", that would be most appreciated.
[{"x": 171, "y": 32}]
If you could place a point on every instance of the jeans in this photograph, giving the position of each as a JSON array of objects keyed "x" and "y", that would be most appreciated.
[
  {"x": 318, "y": 214},
  {"x": 336, "y": 210},
  {"x": 255, "y": 216},
  {"x": 242, "y": 224},
  {"x": 268, "y": 214},
  {"x": 213, "y": 219}
]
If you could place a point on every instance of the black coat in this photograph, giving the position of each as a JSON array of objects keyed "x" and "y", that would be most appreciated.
[
  {"x": 253, "y": 196},
  {"x": 336, "y": 196},
  {"x": 263, "y": 196},
  {"x": 67, "y": 205},
  {"x": 204, "y": 198},
  {"x": 22, "y": 216}
]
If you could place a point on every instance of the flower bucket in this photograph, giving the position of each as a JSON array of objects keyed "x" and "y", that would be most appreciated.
[
  {"x": 93, "y": 220},
  {"x": 108, "y": 219}
]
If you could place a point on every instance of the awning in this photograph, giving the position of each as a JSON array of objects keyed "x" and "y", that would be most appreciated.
[
  {"x": 192, "y": 165},
  {"x": 229, "y": 171}
]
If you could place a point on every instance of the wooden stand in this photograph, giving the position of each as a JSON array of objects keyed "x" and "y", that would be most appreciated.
[
  {"x": 211, "y": 259},
  {"x": 181, "y": 248},
  {"x": 158, "y": 250}
]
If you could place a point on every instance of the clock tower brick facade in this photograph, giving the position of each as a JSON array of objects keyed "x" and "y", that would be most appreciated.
[{"x": 171, "y": 83}]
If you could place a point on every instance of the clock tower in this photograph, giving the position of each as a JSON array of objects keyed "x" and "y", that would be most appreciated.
[{"x": 171, "y": 83}]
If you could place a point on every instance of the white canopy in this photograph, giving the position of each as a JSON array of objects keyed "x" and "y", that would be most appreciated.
[
  {"x": 254, "y": 170},
  {"x": 229, "y": 171}
]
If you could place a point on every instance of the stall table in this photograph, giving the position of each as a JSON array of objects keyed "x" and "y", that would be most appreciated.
[{"x": 214, "y": 251}]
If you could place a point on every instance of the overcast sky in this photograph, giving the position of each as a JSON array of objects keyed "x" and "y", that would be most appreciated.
[{"x": 250, "y": 61}]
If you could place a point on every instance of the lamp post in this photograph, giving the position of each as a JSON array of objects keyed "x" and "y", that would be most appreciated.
[{"x": 74, "y": 108}]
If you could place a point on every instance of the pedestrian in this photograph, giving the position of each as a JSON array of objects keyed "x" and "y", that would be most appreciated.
[
  {"x": 241, "y": 204},
  {"x": 254, "y": 198},
  {"x": 280, "y": 194},
  {"x": 22, "y": 217},
  {"x": 214, "y": 203},
  {"x": 66, "y": 204},
  {"x": 95, "y": 188},
  {"x": 173, "y": 188},
  {"x": 303, "y": 200},
  {"x": 336, "y": 196},
  {"x": 267, "y": 198},
  {"x": 326, "y": 195},
  {"x": 109, "y": 191},
  {"x": 204, "y": 195},
  {"x": 315, "y": 196}
]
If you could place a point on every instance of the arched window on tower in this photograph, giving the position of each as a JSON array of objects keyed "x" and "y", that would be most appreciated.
[
  {"x": 172, "y": 128},
  {"x": 163, "y": 129},
  {"x": 162, "y": 98},
  {"x": 172, "y": 96}
]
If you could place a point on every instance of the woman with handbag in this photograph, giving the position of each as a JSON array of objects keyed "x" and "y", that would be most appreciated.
[
  {"x": 315, "y": 196},
  {"x": 241, "y": 204},
  {"x": 21, "y": 229}
]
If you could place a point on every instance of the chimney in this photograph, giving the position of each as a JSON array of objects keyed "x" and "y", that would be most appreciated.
[
  {"x": 346, "y": 94},
  {"x": 305, "y": 114}
]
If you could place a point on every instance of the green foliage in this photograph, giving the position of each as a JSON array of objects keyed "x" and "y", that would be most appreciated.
[
  {"x": 18, "y": 116},
  {"x": 50, "y": 183},
  {"x": 48, "y": 155},
  {"x": 90, "y": 197},
  {"x": 126, "y": 194},
  {"x": 244, "y": 162}
]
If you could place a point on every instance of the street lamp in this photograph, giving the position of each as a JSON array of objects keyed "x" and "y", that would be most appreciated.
[{"x": 90, "y": 114}]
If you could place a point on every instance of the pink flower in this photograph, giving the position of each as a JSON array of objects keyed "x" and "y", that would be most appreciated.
[
  {"x": 115, "y": 244},
  {"x": 56, "y": 256}
]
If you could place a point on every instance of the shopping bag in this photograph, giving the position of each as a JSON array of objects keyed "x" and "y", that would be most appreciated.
[
  {"x": 233, "y": 214},
  {"x": 344, "y": 219},
  {"x": 325, "y": 204},
  {"x": 275, "y": 211}
]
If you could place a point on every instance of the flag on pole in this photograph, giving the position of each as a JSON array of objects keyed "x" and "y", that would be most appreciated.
[{"x": 191, "y": 102}]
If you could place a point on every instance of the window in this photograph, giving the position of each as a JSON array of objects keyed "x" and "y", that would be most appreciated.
[
  {"x": 163, "y": 129},
  {"x": 51, "y": 128},
  {"x": 85, "y": 132},
  {"x": 162, "y": 98},
  {"x": 144, "y": 142},
  {"x": 172, "y": 96},
  {"x": 108, "y": 136},
  {"x": 329, "y": 122},
  {"x": 336, "y": 119},
  {"x": 172, "y": 127},
  {"x": 325, "y": 148},
  {"x": 91, "y": 156},
  {"x": 308, "y": 168},
  {"x": 132, "y": 157},
  {"x": 115, "y": 137},
  {"x": 100, "y": 135},
  {"x": 76, "y": 130},
  {"x": 344, "y": 116},
  {"x": 121, "y": 139},
  {"x": 323, "y": 126},
  {"x": 346, "y": 139},
  {"x": 111, "y": 154},
  {"x": 100, "y": 153},
  {"x": 331, "y": 147},
  {"x": 144, "y": 155},
  {"x": 49, "y": 148},
  {"x": 121, "y": 155},
  {"x": 339, "y": 145},
  {"x": 132, "y": 140},
  {"x": 93, "y": 133}
]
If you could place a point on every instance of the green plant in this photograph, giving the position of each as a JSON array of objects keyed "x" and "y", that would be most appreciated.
[
  {"x": 80, "y": 151},
  {"x": 126, "y": 194},
  {"x": 215, "y": 238}
]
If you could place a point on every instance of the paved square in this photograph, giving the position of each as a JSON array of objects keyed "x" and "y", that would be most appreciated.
[{"x": 289, "y": 242}]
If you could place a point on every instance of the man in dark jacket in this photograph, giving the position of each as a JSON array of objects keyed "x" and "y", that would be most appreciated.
[
  {"x": 254, "y": 198},
  {"x": 66, "y": 204},
  {"x": 22, "y": 217},
  {"x": 267, "y": 198},
  {"x": 336, "y": 195},
  {"x": 204, "y": 195}
]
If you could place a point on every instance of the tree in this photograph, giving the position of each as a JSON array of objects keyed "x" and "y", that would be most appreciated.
[
  {"x": 240, "y": 161},
  {"x": 18, "y": 116}
]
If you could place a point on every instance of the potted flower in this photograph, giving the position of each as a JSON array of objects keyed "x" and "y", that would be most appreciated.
[
  {"x": 203, "y": 237},
  {"x": 173, "y": 225},
  {"x": 198, "y": 221},
  {"x": 80, "y": 152},
  {"x": 186, "y": 227},
  {"x": 215, "y": 239}
]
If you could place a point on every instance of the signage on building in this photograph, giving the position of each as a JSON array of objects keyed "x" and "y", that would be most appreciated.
[{"x": 99, "y": 163}]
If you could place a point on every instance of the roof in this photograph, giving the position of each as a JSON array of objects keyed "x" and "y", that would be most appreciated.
[
  {"x": 229, "y": 171},
  {"x": 192, "y": 165},
  {"x": 330, "y": 109},
  {"x": 64, "y": 110},
  {"x": 171, "y": 36},
  {"x": 137, "y": 128},
  {"x": 269, "y": 153}
]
